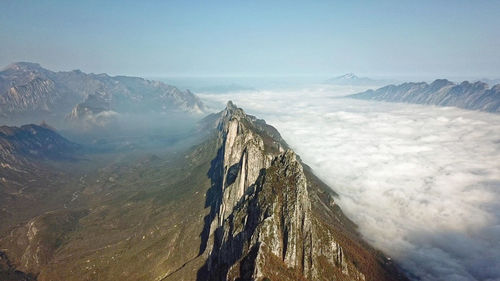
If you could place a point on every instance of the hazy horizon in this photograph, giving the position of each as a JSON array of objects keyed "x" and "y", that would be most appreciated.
[
  {"x": 389, "y": 39},
  {"x": 307, "y": 175}
]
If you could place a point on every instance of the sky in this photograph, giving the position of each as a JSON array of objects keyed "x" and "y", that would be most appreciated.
[{"x": 423, "y": 39}]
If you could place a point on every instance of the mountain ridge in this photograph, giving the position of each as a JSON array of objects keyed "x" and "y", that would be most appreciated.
[
  {"x": 33, "y": 141},
  {"x": 442, "y": 92},
  {"x": 240, "y": 205},
  {"x": 28, "y": 89},
  {"x": 264, "y": 212}
]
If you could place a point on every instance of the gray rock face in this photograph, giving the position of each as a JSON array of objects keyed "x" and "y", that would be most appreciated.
[
  {"x": 27, "y": 88},
  {"x": 474, "y": 96},
  {"x": 262, "y": 222}
]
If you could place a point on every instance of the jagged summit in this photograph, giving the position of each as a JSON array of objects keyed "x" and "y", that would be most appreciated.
[
  {"x": 267, "y": 213},
  {"x": 230, "y": 105},
  {"x": 232, "y": 110},
  {"x": 240, "y": 205}
]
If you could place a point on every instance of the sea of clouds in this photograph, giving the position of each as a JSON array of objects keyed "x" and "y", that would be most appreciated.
[{"x": 422, "y": 182}]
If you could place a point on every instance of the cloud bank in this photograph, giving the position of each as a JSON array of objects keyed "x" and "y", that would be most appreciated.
[{"x": 422, "y": 182}]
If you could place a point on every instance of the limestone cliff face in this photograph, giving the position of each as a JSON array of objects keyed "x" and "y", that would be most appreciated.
[
  {"x": 243, "y": 158},
  {"x": 262, "y": 225},
  {"x": 269, "y": 217}
]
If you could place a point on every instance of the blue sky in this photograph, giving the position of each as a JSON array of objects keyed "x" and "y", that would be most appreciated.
[{"x": 374, "y": 38}]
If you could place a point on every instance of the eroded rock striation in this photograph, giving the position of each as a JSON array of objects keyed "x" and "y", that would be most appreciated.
[
  {"x": 239, "y": 205},
  {"x": 267, "y": 217}
]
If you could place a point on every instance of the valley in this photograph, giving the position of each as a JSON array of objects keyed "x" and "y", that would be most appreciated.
[{"x": 160, "y": 214}]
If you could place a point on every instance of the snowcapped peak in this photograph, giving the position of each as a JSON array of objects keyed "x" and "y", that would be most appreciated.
[{"x": 348, "y": 76}]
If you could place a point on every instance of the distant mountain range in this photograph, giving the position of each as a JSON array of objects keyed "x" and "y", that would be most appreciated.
[
  {"x": 474, "y": 96},
  {"x": 32, "y": 92},
  {"x": 350, "y": 79},
  {"x": 490, "y": 81}
]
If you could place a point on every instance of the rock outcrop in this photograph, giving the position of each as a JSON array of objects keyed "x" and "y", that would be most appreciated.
[
  {"x": 474, "y": 96},
  {"x": 265, "y": 217},
  {"x": 262, "y": 224}
]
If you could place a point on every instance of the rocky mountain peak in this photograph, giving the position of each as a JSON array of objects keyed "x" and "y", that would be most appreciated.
[
  {"x": 24, "y": 66},
  {"x": 439, "y": 83},
  {"x": 261, "y": 223},
  {"x": 263, "y": 216},
  {"x": 230, "y": 105},
  {"x": 232, "y": 111}
]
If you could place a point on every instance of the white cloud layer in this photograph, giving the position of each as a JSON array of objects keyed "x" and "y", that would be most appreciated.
[{"x": 422, "y": 182}]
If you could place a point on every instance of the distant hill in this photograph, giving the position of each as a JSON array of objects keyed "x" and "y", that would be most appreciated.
[
  {"x": 474, "y": 96},
  {"x": 32, "y": 141},
  {"x": 351, "y": 79},
  {"x": 28, "y": 90},
  {"x": 23, "y": 149}
]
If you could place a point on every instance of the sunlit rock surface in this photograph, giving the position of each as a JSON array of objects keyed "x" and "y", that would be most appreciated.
[
  {"x": 239, "y": 205},
  {"x": 262, "y": 224}
]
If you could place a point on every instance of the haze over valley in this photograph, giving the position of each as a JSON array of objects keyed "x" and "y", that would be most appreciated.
[{"x": 242, "y": 141}]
